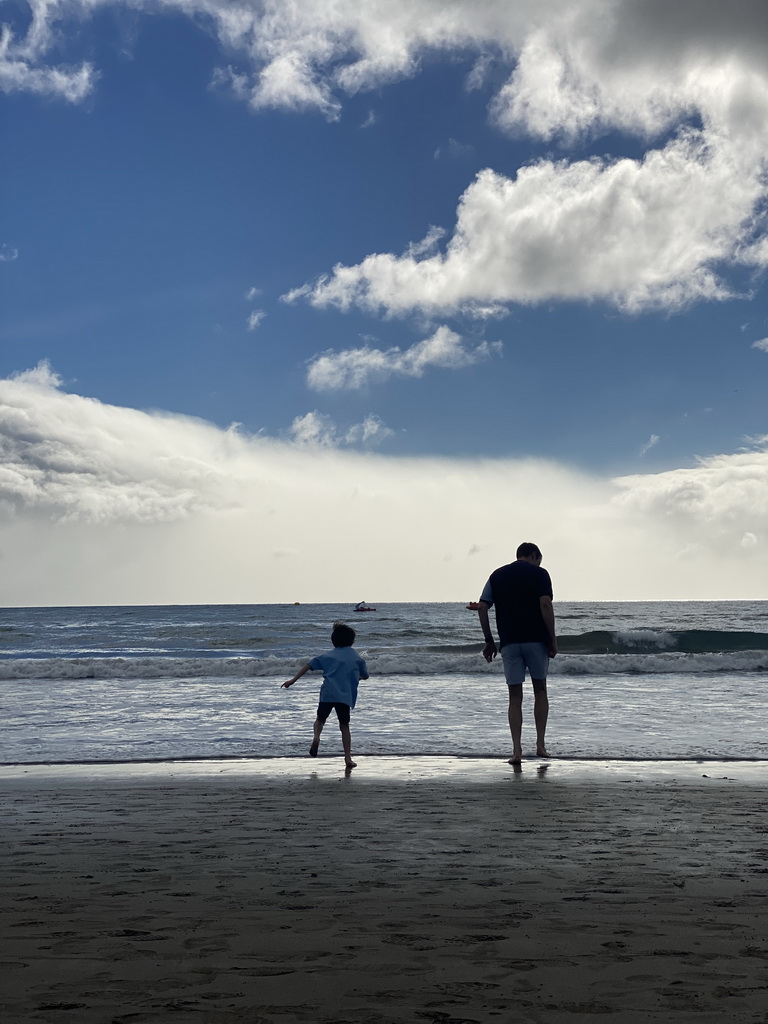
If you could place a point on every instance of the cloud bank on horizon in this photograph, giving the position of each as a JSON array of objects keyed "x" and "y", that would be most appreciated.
[{"x": 99, "y": 503}]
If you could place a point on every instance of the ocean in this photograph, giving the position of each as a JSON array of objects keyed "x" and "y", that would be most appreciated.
[{"x": 633, "y": 680}]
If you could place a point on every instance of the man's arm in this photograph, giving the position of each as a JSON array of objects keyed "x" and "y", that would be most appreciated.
[
  {"x": 299, "y": 674},
  {"x": 489, "y": 651},
  {"x": 548, "y": 614}
]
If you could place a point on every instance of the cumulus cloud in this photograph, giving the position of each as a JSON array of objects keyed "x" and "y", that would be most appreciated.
[
  {"x": 100, "y": 504},
  {"x": 314, "y": 430},
  {"x": 255, "y": 318},
  {"x": 357, "y": 367},
  {"x": 637, "y": 233},
  {"x": 371, "y": 431},
  {"x": 317, "y": 430},
  {"x": 762, "y": 344},
  {"x": 20, "y": 56},
  {"x": 7, "y": 253},
  {"x": 689, "y": 79}
]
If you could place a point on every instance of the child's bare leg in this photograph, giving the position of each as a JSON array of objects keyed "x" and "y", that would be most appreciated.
[
  {"x": 316, "y": 730},
  {"x": 346, "y": 742}
]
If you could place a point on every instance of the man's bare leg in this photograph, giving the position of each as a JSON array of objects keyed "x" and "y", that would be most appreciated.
[
  {"x": 346, "y": 742},
  {"x": 316, "y": 730},
  {"x": 516, "y": 722},
  {"x": 540, "y": 714}
]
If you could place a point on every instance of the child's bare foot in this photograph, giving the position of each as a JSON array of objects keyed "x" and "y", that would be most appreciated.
[
  {"x": 313, "y": 748},
  {"x": 350, "y": 764}
]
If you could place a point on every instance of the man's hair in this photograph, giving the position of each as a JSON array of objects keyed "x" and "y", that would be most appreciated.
[
  {"x": 342, "y": 635},
  {"x": 527, "y": 549}
]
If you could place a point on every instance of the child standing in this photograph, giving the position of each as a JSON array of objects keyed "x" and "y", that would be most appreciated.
[{"x": 342, "y": 668}]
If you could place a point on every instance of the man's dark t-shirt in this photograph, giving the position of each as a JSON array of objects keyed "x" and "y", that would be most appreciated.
[{"x": 515, "y": 590}]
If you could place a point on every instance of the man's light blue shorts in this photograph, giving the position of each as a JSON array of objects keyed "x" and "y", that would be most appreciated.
[{"x": 518, "y": 657}]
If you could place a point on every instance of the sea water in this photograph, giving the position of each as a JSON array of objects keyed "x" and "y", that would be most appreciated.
[{"x": 632, "y": 680}]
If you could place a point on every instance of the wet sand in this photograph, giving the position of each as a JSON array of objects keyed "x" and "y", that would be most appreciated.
[{"x": 435, "y": 890}]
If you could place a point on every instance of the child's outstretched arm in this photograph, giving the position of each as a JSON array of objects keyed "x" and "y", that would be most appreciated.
[{"x": 299, "y": 674}]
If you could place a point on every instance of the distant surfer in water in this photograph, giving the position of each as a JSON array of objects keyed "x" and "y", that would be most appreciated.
[
  {"x": 525, "y": 620},
  {"x": 342, "y": 669}
]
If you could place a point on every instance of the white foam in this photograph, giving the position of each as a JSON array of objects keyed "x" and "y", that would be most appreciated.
[{"x": 386, "y": 664}]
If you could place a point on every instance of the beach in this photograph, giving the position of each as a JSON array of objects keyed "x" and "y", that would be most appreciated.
[{"x": 442, "y": 890}]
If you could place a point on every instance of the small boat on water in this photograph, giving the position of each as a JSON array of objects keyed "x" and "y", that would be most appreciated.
[{"x": 363, "y": 607}]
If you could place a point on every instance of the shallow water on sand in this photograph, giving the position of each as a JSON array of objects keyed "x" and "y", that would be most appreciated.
[{"x": 639, "y": 680}]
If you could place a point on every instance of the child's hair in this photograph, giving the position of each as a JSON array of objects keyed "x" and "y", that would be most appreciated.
[{"x": 342, "y": 635}]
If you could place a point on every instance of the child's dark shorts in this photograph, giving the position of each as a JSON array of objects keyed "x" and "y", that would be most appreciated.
[{"x": 325, "y": 707}]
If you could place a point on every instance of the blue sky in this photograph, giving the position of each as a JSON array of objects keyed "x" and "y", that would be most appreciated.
[{"x": 491, "y": 234}]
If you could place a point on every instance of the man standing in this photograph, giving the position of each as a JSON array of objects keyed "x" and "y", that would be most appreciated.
[{"x": 525, "y": 620}]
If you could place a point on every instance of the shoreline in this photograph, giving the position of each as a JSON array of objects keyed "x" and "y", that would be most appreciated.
[
  {"x": 400, "y": 768},
  {"x": 625, "y": 759}
]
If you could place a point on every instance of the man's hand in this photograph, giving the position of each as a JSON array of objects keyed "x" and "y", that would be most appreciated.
[
  {"x": 548, "y": 614},
  {"x": 287, "y": 683},
  {"x": 490, "y": 651}
]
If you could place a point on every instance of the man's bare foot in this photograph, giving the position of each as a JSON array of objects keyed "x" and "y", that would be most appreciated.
[
  {"x": 517, "y": 758},
  {"x": 350, "y": 764},
  {"x": 541, "y": 750},
  {"x": 313, "y": 748}
]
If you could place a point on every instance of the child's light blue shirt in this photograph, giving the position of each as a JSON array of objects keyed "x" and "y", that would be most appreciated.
[{"x": 342, "y": 669}]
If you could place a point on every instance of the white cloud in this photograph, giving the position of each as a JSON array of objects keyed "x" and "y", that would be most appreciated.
[
  {"x": 8, "y": 254},
  {"x": 41, "y": 376},
  {"x": 762, "y": 344},
  {"x": 317, "y": 430},
  {"x": 575, "y": 64},
  {"x": 478, "y": 76},
  {"x": 314, "y": 430},
  {"x": 251, "y": 294},
  {"x": 370, "y": 432},
  {"x": 636, "y": 233},
  {"x": 688, "y": 78},
  {"x": 19, "y": 68},
  {"x": 255, "y": 319},
  {"x": 650, "y": 443},
  {"x": 100, "y": 504},
  {"x": 717, "y": 503},
  {"x": 357, "y": 367},
  {"x": 428, "y": 244}
]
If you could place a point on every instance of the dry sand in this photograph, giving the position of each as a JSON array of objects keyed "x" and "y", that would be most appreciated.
[{"x": 433, "y": 891}]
